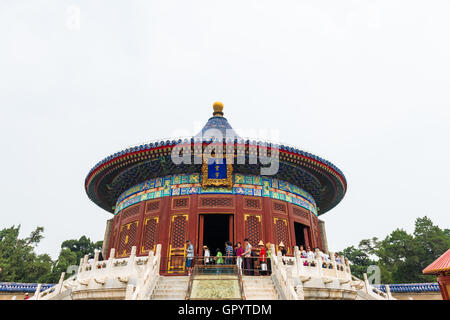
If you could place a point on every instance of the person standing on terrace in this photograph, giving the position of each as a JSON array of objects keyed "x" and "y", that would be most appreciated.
[
  {"x": 262, "y": 258},
  {"x": 268, "y": 255},
  {"x": 228, "y": 253},
  {"x": 248, "y": 257},
  {"x": 239, "y": 253},
  {"x": 302, "y": 252},
  {"x": 189, "y": 256}
]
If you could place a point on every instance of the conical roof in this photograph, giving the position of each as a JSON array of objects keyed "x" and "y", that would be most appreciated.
[
  {"x": 217, "y": 126},
  {"x": 117, "y": 173}
]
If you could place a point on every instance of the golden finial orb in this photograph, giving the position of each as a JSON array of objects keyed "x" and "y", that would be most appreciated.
[{"x": 218, "y": 108}]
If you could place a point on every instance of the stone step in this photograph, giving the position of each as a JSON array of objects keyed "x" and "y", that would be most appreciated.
[
  {"x": 170, "y": 291},
  {"x": 258, "y": 280},
  {"x": 175, "y": 285},
  {"x": 253, "y": 285},
  {"x": 261, "y": 297},
  {"x": 256, "y": 290},
  {"x": 259, "y": 285},
  {"x": 167, "y": 297}
]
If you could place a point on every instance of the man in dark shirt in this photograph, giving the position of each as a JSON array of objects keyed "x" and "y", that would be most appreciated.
[{"x": 228, "y": 253}]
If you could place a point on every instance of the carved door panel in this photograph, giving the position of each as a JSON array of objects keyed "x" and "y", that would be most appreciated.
[
  {"x": 253, "y": 228},
  {"x": 149, "y": 234},
  {"x": 281, "y": 230},
  {"x": 177, "y": 244}
]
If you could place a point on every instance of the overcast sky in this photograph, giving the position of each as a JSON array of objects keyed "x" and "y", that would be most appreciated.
[{"x": 364, "y": 84}]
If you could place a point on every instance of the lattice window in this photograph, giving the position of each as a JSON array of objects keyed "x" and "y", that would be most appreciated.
[
  {"x": 216, "y": 202},
  {"x": 150, "y": 234},
  {"x": 127, "y": 238},
  {"x": 282, "y": 233},
  {"x": 180, "y": 203},
  {"x": 253, "y": 229},
  {"x": 300, "y": 213},
  {"x": 253, "y": 203},
  {"x": 281, "y": 207},
  {"x": 152, "y": 206},
  {"x": 132, "y": 231},
  {"x": 132, "y": 211},
  {"x": 122, "y": 243},
  {"x": 179, "y": 231}
]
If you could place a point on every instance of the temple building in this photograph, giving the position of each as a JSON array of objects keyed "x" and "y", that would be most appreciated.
[
  {"x": 216, "y": 194},
  {"x": 212, "y": 188}
]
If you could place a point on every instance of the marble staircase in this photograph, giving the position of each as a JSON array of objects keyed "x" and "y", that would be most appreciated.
[
  {"x": 170, "y": 288},
  {"x": 259, "y": 288}
]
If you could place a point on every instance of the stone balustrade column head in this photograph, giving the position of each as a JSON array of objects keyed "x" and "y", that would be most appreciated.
[
  {"x": 366, "y": 282},
  {"x": 388, "y": 292},
  {"x": 296, "y": 251},
  {"x": 96, "y": 256},
  {"x": 158, "y": 256},
  {"x": 112, "y": 253},
  {"x": 317, "y": 254},
  {"x": 38, "y": 291},
  {"x": 61, "y": 281},
  {"x": 85, "y": 262},
  {"x": 133, "y": 253},
  {"x": 332, "y": 257}
]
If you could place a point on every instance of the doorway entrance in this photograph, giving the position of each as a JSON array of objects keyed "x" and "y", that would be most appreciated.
[
  {"x": 301, "y": 235},
  {"x": 215, "y": 229}
]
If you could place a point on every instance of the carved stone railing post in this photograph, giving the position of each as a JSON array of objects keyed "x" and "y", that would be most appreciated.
[
  {"x": 96, "y": 256},
  {"x": 301, "y": 272},
  {"x": 289, "y": 286},
  {"x": 366, "y": 284},
  {"x": 273, "y": 256},
  {"x": 347, "y": 268},
  {"x": 318, "y": 263},
  {"x": 38, "y": 291},
  {"x": 334, "y": 263},
  {"x": 132, "y": 260},
  {"x": 60, "y": 283},
  {"x": 110, "y": 263},
  {"x": 158, "y": 256},
  {"x": 85, "y": 262},
  {"x": 80, "y": 268},
  {"x": 388, "y": 292}
]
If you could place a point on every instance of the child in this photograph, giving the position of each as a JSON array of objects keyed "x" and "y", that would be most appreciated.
[{"x": 218, "y": 258}]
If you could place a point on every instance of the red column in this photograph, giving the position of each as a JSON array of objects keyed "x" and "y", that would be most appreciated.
[
  {"x": 200, "y": 236},
  {"x": 239, "y": 220},
  {"x": 307, "y": 241},
  {"x": 164, "y": 221},
  {"x": 291, "y": 228},
  {"x": 140, "y": 227},
  {"x": 231, "y": 228},
  {"x": 267, "y": 220}
]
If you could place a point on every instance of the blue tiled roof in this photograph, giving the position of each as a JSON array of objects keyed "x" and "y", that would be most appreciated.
[
  {"x": 218, "y": 123},
  {"x": 22, "y": 287},
  {"x": 410, "y": 287}
]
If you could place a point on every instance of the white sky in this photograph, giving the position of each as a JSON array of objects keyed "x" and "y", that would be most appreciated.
[{"x": 364, "y": 84}]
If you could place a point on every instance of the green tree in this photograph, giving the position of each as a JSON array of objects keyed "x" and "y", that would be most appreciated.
[
  {"x": 71, "y": 253},
  {"x": 400, "y": 256},
  {"x": 18, "y": 260}
]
